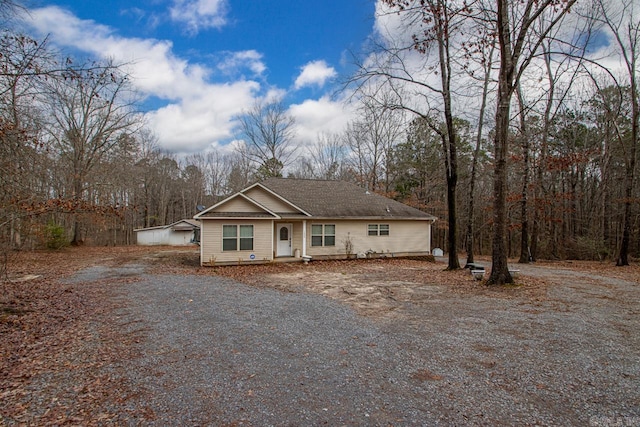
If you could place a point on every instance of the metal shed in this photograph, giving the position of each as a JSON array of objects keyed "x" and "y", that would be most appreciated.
[{"x": 180, "y": 233}]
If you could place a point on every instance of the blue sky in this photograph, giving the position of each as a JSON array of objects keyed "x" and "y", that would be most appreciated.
[{"x": 199, "y": 63}]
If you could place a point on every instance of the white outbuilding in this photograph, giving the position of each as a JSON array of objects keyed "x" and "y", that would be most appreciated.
[{"x": 181, "y": 233}]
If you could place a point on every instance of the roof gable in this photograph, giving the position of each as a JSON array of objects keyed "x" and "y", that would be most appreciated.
[
  {"x": 271, "y": 200},
  {"x": 181, "y": 225},
  {"x": 184, "y": 225},
  {"x": 237, "y": 205}
]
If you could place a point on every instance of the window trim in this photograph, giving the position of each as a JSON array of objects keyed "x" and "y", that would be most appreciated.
[
  {"x": 323, "y": 236},
  {"x": 376, "y": 230},
  {"x": 238, "y": 238}
]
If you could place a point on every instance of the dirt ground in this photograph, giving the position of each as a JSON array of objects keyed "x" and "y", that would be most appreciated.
[
  {"x": 381, "y": 287},
  {"x": 47, "y": 324}
]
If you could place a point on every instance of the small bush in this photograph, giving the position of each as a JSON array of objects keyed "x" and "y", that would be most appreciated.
[
  {"x": 348, "y": 245},
  {"x": 587, "y": 249},
  {"x": 55, "y": 236}
]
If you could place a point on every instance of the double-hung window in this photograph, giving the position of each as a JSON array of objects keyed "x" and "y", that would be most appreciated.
[
  {"x": 323, "y": 235},
  {"x": 237, "y": 237},
  {"x": 378, "y": 229}
]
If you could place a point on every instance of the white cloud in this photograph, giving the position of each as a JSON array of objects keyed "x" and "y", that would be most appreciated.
[
  {"x": 315, "y": 73},
  {"x": 274, "y": 94},
  {"x": 198, "y": 113},
  {"x": 199, "y": 14},
  {"x": 194, "y": 123},
  {"x": 155, "y": 69},
  {"x": 390, "y": 26},
  {"x": 251, "y": 59},
  {"x": 319, "y": 116}
]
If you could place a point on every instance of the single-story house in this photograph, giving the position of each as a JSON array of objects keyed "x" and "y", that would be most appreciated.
[
  {"x": 180, "y": 233},
  {"x": 303, "y": 219}
]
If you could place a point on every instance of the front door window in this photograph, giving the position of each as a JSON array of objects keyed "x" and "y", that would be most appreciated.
[{"x": 284, "y": 233}]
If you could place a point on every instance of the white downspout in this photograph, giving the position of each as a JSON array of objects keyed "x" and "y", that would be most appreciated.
[{"x": 201, "y": 243}]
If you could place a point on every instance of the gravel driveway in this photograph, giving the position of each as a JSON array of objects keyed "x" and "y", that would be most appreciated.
[{"x": 217, "y": 352}]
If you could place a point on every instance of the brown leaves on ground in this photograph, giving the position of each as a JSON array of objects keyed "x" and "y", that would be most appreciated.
[
  {"x": 59, "y": 348},
  {"x": 65, "y": 262},
  {"x": 45, "y": 337},
  {"x": 600, "y": 268}
]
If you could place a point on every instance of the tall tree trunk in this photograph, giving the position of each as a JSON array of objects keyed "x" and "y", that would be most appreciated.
[
  {"x": 474, "y": 164},
  {"x": 77, "y": 196},
  {"x": 454, "y": 262},
  {"x": 542, "y": 158},
  {"x": 470, "y": 206},
  {"x": 524, "y": 222},
  {"x": 555, "y": 251},
  {"x": 499, "y": 266},
  {"x": 623, "y": 255},
  {"x": 451, "y": 140}
]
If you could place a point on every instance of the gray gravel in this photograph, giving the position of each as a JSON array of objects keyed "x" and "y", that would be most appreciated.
[{"x": 216, "y": 352}]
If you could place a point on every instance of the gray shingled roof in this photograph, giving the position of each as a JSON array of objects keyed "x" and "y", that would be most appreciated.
[{"x": 339, "y": 199}]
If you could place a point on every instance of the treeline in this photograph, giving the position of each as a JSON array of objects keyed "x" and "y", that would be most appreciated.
[
  {"x": 78, "y": 166},
  {"x": 533, "y": 113}
]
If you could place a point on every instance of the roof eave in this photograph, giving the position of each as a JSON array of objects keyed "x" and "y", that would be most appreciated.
[
  {"x": 375, "y": 218},
  {"x": 234, "y": 218}
]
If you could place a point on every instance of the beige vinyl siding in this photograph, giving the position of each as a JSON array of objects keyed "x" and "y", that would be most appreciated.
[
  {"x": 296, "y": 241},
  {"x": 404, "y": 237},
  {"x": 211, "y": 242},
  {"x": 238, "y": 204},
  {"x": 269, "y": 201}
]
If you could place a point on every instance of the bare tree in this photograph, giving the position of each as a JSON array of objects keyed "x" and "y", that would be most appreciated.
[
  {"x": 620, "y": 18},
  {"x": 371, "y": 138},
  {"x": 434, "y": 25},
  {"x": 217, "y": 174},
  {"x": 10, "y": 10},
  {"x": 193, "y": 183},
  {"x": 303, "y": 168},
  {"x": 561, "y": 71},
  {"x": 384, "y": 126},
  {"x": 487, "y": 63},
  {"x": 268, "y": 131},
  {"x": 90, "y": 110},
  {"x": 165, "y": 188},
  {"x": 354, "y": 139},
  {"x": 329, "y": 157},
  {"x": 521, "y": 30},
  {"x": 23, "y": 63},
  {"x": 19, "y": 157},
  {"x": 241, "y": 170}
]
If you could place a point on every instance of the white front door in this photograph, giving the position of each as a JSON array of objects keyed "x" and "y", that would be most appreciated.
[{"x": 283, "y": 235}]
